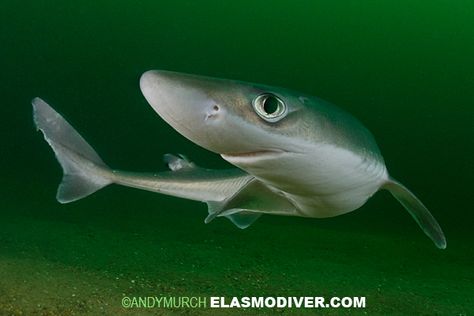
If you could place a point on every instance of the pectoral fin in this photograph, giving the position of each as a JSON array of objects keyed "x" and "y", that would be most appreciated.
[
  {"x": 248, "y": 204},
  {"x": 418, "y": 211}
]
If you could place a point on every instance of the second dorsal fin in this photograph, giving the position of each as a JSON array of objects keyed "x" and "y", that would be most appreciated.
[{"x": 178, "y": 162}]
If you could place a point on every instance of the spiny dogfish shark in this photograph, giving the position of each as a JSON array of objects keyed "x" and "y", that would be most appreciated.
[{"x": 295, "y": 154}]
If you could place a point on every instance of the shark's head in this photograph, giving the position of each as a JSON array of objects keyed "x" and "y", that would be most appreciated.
[
  {"x": 277, "y": 135},
  {"x": 243, "y": 122},
  {"x": 294, "y": 143}
]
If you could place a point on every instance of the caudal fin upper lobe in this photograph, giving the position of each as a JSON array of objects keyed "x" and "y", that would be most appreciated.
[{"x": 84, "y": 172}]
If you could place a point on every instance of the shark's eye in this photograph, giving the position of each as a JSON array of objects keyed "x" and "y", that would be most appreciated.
[{"x": 269, "y": 107}]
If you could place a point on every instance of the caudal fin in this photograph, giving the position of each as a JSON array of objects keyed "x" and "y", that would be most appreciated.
[
  {"x": 418, "y": 211},
  {"x": 83, "y": 170}
]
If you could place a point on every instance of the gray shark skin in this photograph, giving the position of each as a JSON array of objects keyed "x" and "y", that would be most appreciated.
[{"x": 294, "y": 154}]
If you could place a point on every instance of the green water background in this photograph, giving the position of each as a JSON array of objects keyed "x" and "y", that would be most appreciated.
[{"x": 404, "y": 68}]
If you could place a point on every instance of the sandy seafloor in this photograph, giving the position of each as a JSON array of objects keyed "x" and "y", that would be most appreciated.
[
  {"x": 74, "y": 263},
  {"x": 405, "y": 69}
]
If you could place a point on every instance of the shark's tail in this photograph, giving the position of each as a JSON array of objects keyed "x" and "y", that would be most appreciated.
[
  {"x": 418, "y": 211},
  {"x": 83, "y": 170}
]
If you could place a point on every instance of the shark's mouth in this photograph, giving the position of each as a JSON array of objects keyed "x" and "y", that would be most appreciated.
[{"x": 269, "y": 153}]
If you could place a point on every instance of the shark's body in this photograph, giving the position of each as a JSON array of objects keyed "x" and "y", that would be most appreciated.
[{"x": 296, "y": 155}]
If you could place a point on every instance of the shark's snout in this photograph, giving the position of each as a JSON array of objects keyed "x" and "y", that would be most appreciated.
[
  {"x": 165, "y": 90},
  {"x": 186, "y": 102},
  {"x": 213, "y": 113},
  {"x": 177, "y": 98},
  {"x": 147, "y": 81}
]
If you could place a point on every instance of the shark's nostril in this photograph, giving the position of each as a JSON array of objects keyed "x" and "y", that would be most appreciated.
[{"x": 213, "y": 112}]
